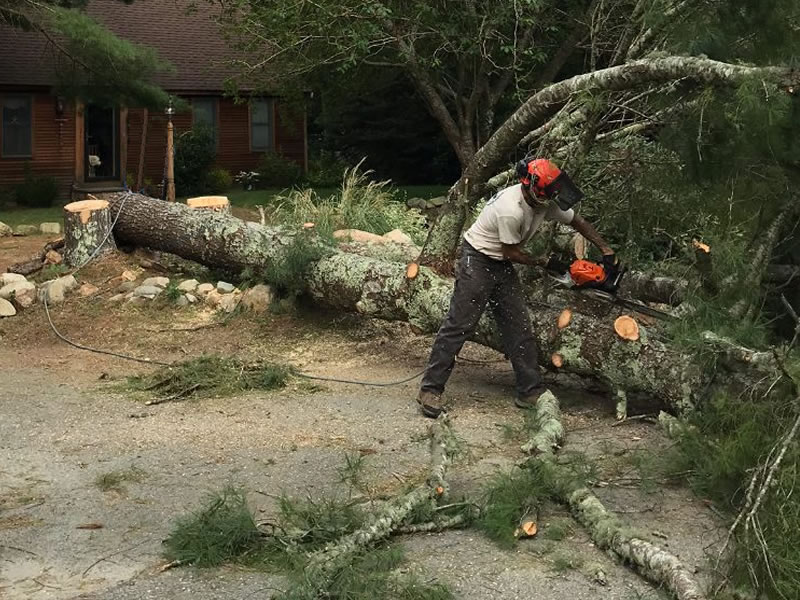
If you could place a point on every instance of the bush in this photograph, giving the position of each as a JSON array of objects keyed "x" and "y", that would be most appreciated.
[
  {"x": 327, "y": 170},
  {"x": 37, "y": 191},
  {"x": 218, "y": 180},
  {"x": 194, "y": 155},
  {"x": 277, "y": 171}
]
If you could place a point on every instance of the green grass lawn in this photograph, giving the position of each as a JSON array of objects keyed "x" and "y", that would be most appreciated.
[{"x": 237, "y": 197}]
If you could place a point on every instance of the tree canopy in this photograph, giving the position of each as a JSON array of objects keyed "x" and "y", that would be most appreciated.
[{"x": 92, "y": 62}]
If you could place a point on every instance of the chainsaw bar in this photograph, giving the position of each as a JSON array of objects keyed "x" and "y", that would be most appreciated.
[{"x": 631, "y": 304}]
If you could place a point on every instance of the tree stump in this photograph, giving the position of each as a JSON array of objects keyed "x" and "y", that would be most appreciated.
[
  {"x": 218, "y": 204},
  {"x": 87, "y": 225}
]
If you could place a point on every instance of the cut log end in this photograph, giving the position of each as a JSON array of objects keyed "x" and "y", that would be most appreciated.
[
  {"x": 557, "y": 360},
  {"x": 213, "y": 203},
  {"x": 627, "y": 328},
  {"x": 85, "y": 208},
  {"x": 701, "y": 247},
  {"x": 564, "y": 318},
  {"x": 412, "y": 271},
  {"x": 308, "y": 225}
]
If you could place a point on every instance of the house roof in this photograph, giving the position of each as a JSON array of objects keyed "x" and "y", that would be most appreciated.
[{"x": 190, "y": 40}]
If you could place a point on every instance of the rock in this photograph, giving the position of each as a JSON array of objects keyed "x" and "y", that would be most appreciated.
[
  {"x": 24, "y": 298},
  {"x": 87, "y": 289},
  {"x": 56, "y": 289},
  {"x": 54, "y": 228},
  {"x": 357, "y": 235},
  {"x": 224, "y": 287},
  {"x": 399, "y": 237},
  {"x": 17, "y": 287},
  {"x": 127, "y": 286},
  {"x": 182, "y": 301},
  {"x": 229, "y": 302},
  {"x": 416, "y": 203},
  {"x": 6, "y": 278},
  {"x": 205, "y": 288},
  {"x": 213, "y": 298},
  {"x": 26, "y": 230},
  {"x": 138, "y": 300},
  {"x": 53, "y": 258},
  {"x": 189, "y": 285},
  {"x": 128, "y": 276},
  {"x": 191, "y": 298},
  {"x": 117, "y": 298},
  {"x": 5, "y": 230},
  {"x": 161, "y": 282},
  {"x": 6, "y": 308},
  {"x": 147, "y": 291},
  {"x": 258, "y": 298}
]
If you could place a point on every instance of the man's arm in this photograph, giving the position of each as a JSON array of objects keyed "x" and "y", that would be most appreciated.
[
  {"x": 514, "y": 253},
  {"x": 588, "y": 231}
]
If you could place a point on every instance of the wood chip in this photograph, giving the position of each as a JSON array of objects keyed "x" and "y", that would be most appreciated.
[
  {"x": 412, "y": 271},
  {"x": 90, "y": 526},
  {"x": 557, "y": 360},
  {"x": 564, "y": 318}
]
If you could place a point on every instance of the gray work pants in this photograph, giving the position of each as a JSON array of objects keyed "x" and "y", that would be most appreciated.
[{"x": 481, "y": 280}]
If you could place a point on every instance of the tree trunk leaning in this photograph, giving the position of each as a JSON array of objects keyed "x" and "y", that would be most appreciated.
[{"x": 87, "y": 226}]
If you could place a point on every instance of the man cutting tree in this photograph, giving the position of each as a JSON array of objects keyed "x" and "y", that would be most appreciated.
[{"x": 485, "y": 276}]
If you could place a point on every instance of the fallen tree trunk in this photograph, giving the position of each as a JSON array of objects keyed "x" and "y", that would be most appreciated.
[{"x": 588, "y": 346}]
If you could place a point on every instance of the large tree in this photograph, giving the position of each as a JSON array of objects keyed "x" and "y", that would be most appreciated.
[{"x": 91, "y": 62}]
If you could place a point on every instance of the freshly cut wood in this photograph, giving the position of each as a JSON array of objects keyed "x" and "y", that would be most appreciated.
[
  {"x": 564, "y": 318},
  {"x": 705, "y": 267},
  {"x": 627, "y": 328},
  {"x": 87, "y": 231},
  {"x": 308, "y": 225},
  {"x": 557, "y": 360},
  {"x": 412, "y": 271},
  {"x": 215, "y": 203}
]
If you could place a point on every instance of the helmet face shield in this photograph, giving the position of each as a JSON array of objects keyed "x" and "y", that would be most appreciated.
[{"x": 564, "y": 192}]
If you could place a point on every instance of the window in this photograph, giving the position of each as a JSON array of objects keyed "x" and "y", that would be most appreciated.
[
  {"x": 261, "y": 124},
  {"x": 17, "y": 130},
  {"x": 204, "y": 112}
]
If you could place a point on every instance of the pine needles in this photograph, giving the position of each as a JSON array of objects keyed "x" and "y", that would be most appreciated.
[{"x": 210, "y": 375}]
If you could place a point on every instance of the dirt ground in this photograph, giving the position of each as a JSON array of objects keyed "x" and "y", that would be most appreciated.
[{"x": 64, "y": 423}]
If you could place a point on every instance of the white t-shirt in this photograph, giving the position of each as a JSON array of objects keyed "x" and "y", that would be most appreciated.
[{"x": 508, "y": 219}]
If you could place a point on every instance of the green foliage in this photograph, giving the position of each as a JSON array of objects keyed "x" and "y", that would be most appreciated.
[
  {"x": 557, "y": 530},
  {"x": 195, "y": 151},
  {"x": 172, "y": 293},
  {"x": 360, "y": 204},
  {"x": 218, "y": 180},
  {"x": 36, "y": 191},
  {"x": 276, "y": 171},
  {"x": 506, "y": 499},
  {"x": 352, "y": 472},
  {"x": 730, "y": 438},
  {"x": 289, "y": 273},
  {"x": 565, "y": 562},
  {"x": 212, "y": 375},
  {"x": 326, "y": 170},
  {"x": 221, "y": 531},
  {"x": 113, "y": 480}
]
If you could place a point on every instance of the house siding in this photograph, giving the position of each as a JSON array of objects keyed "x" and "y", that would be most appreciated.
[
  {"x": 53, "y": 144},
  {"x": 233, "y": 138}
]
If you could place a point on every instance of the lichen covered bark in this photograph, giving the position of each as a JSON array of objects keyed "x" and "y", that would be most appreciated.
[
  {"x": 605, "y": 528},
  {"x": 84, "y": 233}
]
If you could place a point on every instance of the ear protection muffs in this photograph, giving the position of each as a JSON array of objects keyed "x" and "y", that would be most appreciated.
[{"x": 524, "y": 176}]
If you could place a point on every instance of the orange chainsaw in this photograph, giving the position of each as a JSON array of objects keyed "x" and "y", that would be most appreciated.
[{"x": 597, "y": 281}]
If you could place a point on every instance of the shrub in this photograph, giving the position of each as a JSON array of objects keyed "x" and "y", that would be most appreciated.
[
  {"x": 218, "y": 180},
  {"x": 194, "y": 155},
  {"x": 37, "y": 191},
  {"x": 327, "y": 170},
  {"x": 277, "y": 171}
]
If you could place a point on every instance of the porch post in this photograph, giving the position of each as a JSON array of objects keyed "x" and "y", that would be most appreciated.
[{"x": 170, "y": 155}]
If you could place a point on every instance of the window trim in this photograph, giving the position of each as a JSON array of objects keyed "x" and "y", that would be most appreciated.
[
  {"x": 272, "y": 141},
  {"x": 215, "y": 104},
  {"x": 31, "y": 101}
]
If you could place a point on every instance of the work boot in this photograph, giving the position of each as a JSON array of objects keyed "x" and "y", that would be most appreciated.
[
  {"x": 528, "y": 401},
  {"x": 431, "y": 404}
]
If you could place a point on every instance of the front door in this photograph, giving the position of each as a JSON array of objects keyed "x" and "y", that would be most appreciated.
[{"x": 101, "y": 144}]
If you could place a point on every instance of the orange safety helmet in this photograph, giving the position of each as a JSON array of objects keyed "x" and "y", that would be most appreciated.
[
  {"x": 539, "y": 174},
  {"x": 545, "y": 180}
]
